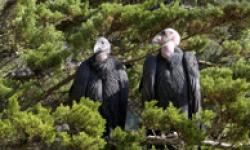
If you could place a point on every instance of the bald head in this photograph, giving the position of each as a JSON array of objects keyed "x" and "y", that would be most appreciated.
[
  {"x": 102, "y": 45},
  {"x": 168, "y": 39},
  {"x": 102, "y": 48},
  {"x": 167, "y": 35}
]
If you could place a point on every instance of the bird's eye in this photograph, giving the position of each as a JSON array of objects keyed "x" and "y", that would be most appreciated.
[
  {"x": 102, "y": 42},
  {"x": 163, "y": 33}
]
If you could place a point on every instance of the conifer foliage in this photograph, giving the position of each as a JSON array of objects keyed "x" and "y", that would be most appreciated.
[{"x": 43, "y": 41}]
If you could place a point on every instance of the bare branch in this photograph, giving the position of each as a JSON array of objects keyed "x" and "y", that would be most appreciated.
[
  {"x": 207, "y": 63},
  {"x": 217, "y": 144},
  {"x": 175, "y": 141},
  {"x": 157, "y": 140}
]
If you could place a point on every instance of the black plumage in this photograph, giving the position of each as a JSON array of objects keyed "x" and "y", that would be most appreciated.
[
  {"x": 175, "y": 80},
  {"x": 106, "y": 82},
  {"x": 171, "y": 76}
]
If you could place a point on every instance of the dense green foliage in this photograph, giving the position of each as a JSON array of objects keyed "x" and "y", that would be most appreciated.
[
  {"x": 79, "y": 127},
  {"x": 43, "y": 41}
]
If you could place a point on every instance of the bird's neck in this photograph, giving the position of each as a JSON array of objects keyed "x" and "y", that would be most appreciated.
[
  {"x": 167, "y": 50},
  {"x": 102, "y": 56}
]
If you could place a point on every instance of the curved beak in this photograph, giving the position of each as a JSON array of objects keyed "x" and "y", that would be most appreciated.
[
  {"x": 97, "y": 48},
  {"x": 157, "y": 39}
]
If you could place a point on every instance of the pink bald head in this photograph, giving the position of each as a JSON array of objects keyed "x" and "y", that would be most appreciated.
[
  {"x": 168, "y": 39},
  {"x": 166, "y": 35}
]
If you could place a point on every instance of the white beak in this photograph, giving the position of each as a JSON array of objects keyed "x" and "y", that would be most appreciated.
[
  {"x": 157, "y": 39},
  {"x": 97, "y": 48}
]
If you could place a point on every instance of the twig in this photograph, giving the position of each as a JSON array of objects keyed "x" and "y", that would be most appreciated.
[{"x": 207, "y": 63}]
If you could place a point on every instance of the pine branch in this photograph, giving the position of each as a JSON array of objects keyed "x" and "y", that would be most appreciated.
[
  {"x": 70, "y": 21},
  {"x": 189, "y": 36},
  {"x": 132, "y": 61},
  {"x": 59, "y": 85}
]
